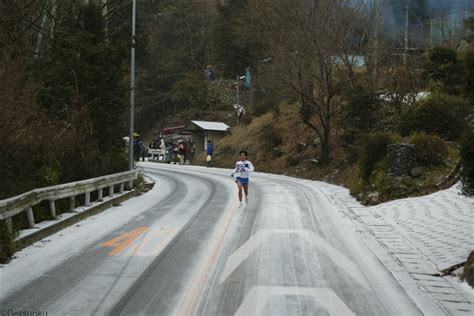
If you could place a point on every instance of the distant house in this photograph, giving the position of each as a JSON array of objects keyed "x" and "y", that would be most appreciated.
[
  {"x": 354, "y": 60},
  {"x": 202, "y": 131}
]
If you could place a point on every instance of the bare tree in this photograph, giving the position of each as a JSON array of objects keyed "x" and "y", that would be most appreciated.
[{"x": 315, "y": 47}]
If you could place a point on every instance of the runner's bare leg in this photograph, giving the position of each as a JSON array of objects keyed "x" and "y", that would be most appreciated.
[{"x": 240, "y": 190}]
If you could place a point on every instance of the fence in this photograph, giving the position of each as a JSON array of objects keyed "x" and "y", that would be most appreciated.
[
  {"x": 157, "y": 153},
  {"x": 25, "y": 202}
]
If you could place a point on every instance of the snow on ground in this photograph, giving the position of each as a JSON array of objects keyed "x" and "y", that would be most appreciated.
[
  {"x": 57, "y": 248},
  {"x": 417, "y": 238},
  {"x": 424, "y": 234},
  {"x": 440, "y": 225}
]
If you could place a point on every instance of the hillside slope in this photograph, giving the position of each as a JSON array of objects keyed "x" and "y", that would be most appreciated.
[{"x": 279, "y": 142}]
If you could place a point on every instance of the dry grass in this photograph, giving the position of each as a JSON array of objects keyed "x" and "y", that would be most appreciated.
[
  {"x": 270, "y": 140},
  {"x": 283, "y": 130}
]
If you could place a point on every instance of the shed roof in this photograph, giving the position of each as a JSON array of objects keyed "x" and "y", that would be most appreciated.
[{"x": 207, "y": 126}]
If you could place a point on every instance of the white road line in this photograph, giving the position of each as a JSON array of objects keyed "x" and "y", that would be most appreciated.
[
  {"x": 241, "y": 254},
  {"x": 256, "y": 300}
]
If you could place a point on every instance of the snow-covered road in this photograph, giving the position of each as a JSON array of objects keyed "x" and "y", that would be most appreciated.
[{"x": 185, "y": 248}]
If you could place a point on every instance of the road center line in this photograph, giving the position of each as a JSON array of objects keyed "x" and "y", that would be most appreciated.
[{"x": 189, "y": 301}]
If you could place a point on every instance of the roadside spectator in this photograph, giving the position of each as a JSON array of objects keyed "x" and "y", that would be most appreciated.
[
  {"x": 192, "y": 150},
  {"x": 210, "y": 73},
  {"x": 175, "y": 158},
  {"x": 143, "y": 150},
  {"x": 163, "y": 150},
  {"x": 210, "y": 152},
  {"x": 136, "y": 149},
  {"x": 240, "y": 111},
  {"x": 181, "y": 153},
  {"x": 169, "y": 153},
  {"x": 186, "y": 151}
]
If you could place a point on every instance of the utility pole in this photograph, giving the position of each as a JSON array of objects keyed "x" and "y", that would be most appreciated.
[
  {"x": 375, "y": 39},
  {"x": 132, "y": 90},
  {"x": 238, "y": 79},
  {"x": 431, "y": 32},
  {"x": 238, "y": 106},
  {"x": 405, "y": 53}
]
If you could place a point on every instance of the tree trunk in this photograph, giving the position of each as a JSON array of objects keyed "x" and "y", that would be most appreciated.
[{"x": 326, "y": 145}]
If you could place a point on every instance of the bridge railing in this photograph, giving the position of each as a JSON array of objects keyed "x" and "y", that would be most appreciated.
[{"x": 25, "y": 202}]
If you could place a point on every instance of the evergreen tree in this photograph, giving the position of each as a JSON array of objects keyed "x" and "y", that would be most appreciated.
[
  {"x": 446, "y": 72},
  {"x": 231, "y": 52},
  {"x": 359, "y": 111},
  {"x": 178, "y": 46},
  {"x": 81, "y": 79}
]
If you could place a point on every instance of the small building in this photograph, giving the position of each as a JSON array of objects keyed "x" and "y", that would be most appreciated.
[{"x": 202, "y": 131}]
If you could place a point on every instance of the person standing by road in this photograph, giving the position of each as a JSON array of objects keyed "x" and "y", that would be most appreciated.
[
  {"x": 210, "y": 151},
  {"x": 181, "y": 153},
  {"x": 163, "y": 150},
  {"x": 192, "y": 150},
  {"x": 241, "y": 175}
]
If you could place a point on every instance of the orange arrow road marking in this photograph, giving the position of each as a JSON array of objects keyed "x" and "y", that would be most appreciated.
[{"x": 123, "y": 241}]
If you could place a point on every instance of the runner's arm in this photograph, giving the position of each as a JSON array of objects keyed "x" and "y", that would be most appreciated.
[
  {"x": 249, "y": 166},
  {"x": 235, "y": 170}
]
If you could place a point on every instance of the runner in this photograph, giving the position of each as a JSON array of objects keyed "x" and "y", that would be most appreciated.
[{"x": 241, "y": 175}]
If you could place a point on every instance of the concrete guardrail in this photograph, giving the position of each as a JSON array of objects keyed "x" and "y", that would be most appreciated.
[{"x": 25, "y": 202}]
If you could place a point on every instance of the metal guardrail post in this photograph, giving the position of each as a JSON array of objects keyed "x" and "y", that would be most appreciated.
[
  {"x": 121, "y": 187},
  {"x": 52, "y": 208},
  {"x": 100, "y": 196},
  {"x": 111, "y": 191},
  {"x": 31, "y": 218}
]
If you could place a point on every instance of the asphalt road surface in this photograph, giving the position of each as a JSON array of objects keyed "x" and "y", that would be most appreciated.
[{"x": 193, "y": 251}]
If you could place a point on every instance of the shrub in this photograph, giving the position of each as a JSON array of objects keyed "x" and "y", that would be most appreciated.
[
  {"x": 440, "y": 114},
  {"x": 50, "y": 174},
  {"x": 467, "y": 161},
  {"x": 447, "y": 73},
  {"x": 430, "y": 150},
  {"x": 191, "y": 91},
  {"x": 469, "y": 64},
  {"x": 360, "y": 107},
  {"x": 468, "y": 273},
  {"x": 270, "y": 137},
  {"x": 292, "y": 160},
  {"x": 246, "y": 119},
  {"x": 374, "y": 150}
]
